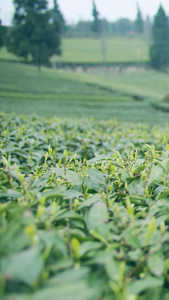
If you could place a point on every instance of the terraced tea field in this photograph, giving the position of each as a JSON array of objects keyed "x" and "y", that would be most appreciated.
[{"x": 25, "y": 90}]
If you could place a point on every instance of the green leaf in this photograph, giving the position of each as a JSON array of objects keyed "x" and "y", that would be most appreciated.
[
  {"x": 140, "y": 168},
  {"x": 69, "y": 215},
  {"x": 158, "y": 172},
  {"x": 94, "y": 180},
  {"x": 53, "y": 193},
  {"x": 112, "y": 269},
  {"x": 135, "y": 255},
  {"x": 90, "y": 202},
  {"x": 25, "y": 266},
  {"x": 70, "y": 276},
  {"x": 99, "y": 159},
  {"x": 97, "y": 218},
  {"x": 89, "y": 246},
  {"x": 156, "y": 264},
  {"x": 76, "y": 232},
  {"x": 141, "y": 285},
  {"x": 71, "y": 194},
  {"x": 72, "y": 291},
  {"x": 154, "y": 294},
  {"x": 10, "y": 193},
  {"x": 136, "y": 187},
  {"x": 51, "y": 237},
  {"x": 162, "y": 192},
  {"x": 13, "y": 238},
  {"x": 131, "y": 238},
  {"x": 70, "y": 175},
  {"x": 101, "y": 257},
  {"x": 62, "y": 264}
]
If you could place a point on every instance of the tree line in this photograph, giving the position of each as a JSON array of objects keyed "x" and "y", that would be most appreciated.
[
  {"x": 120, "y": 27},
  {"x": 158, "y": 32},
  {"x": 36, "y": 31}
]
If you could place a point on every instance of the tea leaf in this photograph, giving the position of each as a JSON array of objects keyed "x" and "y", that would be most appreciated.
[
  {"x": 156, "y": 264},
  {"x": 141, "y": 285},
  {"x": 25, "y": 266}
]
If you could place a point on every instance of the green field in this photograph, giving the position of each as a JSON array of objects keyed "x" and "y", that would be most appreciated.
[
  {"x": 98, "y": 93},
  {"x": 25, "y": 90},
  {"x": 89, "y": 50},
  {"x": 5, "y": 55},
  {"x": 146, "y": 83}
]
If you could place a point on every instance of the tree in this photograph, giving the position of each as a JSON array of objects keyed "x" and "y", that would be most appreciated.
[
  {"x": 122, "y": 26},
  {"x": 159, "y": 50},
  {"x": 3, "y": 32},
  {"x": 58, "y": 17},
  {"x": 96, "y": 21},
  {"x": 148, "y": 30},
  {"x": 139, "y": 23},
  {"x": 34, "y": 32},
  {"x": 80, "y": 29}
]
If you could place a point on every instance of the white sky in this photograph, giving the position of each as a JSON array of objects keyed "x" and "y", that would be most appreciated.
[{"x": 74, "y": 10}]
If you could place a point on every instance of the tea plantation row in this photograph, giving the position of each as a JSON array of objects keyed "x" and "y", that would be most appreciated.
[
  {"x": 84, "y": 210},
  {"x": 136, "y": 97}
]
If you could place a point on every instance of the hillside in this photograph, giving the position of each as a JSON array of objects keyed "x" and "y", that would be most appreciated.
[{"x": 122, "y": 96}]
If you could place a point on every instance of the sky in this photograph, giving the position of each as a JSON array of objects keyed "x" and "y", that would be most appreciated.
[{"x": 112, "y": 10}]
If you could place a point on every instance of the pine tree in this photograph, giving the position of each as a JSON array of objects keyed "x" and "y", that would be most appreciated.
[
  {"x": 34, "y": 32},
  {"x": 159, "y": 50},
  {"x": 58, "y": 17},
  {"x": 139, "y": 23},
  {"x": 96, "y": 22}
]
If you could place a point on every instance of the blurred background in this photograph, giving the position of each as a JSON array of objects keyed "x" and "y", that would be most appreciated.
[{"x": 99, "y": 59}]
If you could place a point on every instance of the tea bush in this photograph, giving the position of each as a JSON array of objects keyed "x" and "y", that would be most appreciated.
[{"x": 84, "y": 210}]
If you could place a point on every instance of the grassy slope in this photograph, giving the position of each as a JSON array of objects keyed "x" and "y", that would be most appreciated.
[
  {"x": 25, "y": 90},
  {"x": 118, "y": 49},
  {"x": 5, "y": 55},
  {"x": 144, "y": 83}
]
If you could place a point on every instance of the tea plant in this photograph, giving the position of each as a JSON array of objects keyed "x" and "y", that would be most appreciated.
[{"x": 83, "y": 209}]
